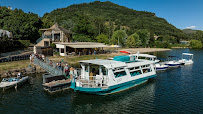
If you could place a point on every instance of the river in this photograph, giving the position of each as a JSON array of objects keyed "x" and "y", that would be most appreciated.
[{"x": 176, "y": 90}]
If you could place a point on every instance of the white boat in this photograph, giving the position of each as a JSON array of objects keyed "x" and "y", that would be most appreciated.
[
  {"x": 173, "y": 63},
  {"x": 147, "y": 57},
  {"x": 7, "y": 83},
  {"x": 160, "y": 66},
  {"x": 104, "y": 77},
  {"x": 187, "y": 59}
]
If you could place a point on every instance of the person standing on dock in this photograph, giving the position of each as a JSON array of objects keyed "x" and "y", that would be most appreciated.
[
  {"x": 66, "y": 70},
  {"x": 59, "y": 65}
]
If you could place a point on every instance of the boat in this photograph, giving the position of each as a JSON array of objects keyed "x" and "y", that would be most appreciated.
[
  {"x": 103, "y": 77},
  {"x": 160, "y": 66},
  {"x": 187, "y": 59},
  {"x": 7, "y": 83},
  {"x": 54, "y": 83},
  {"x": 172, "y": 62}
]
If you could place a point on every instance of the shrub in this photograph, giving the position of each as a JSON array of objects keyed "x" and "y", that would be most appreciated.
[
  {"x": 25, "y": 43},
  {"x": 195, "y": 44}
]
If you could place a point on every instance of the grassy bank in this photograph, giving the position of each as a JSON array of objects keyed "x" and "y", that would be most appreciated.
[{"x": 14, "y": 65}]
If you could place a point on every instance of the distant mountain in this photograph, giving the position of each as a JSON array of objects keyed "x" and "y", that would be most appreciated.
[
  {"x": 106, "y": 12},
  {"x": 189, "y": 31}
]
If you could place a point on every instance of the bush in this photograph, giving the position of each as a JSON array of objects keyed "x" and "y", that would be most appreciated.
[
  {"x": 195, "y": 44},
  {"x": 25, "y": 43}
]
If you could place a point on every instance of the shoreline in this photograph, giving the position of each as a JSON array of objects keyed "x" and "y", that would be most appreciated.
[
  {"x": 72, "y": 60},
  {"x": 144, "y": 50}
]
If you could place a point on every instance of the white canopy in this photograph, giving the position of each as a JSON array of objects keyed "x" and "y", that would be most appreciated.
[{"x": 187, "y": 54}]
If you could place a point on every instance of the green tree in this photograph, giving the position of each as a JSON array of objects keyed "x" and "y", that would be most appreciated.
[
  {"x": 84, "y": 26},
  {"x": 102, "y": 38},
  {"x": 133, "y": 40},
  {"x": 144, "y": 36},
  {"x": 119, "y": 37},
  {"x": 196, "y": 44}
]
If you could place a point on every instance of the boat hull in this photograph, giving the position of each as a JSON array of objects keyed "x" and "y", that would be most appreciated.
[
  {"x": 15, "y": 84},
  {"x": 113, "y": 89}
]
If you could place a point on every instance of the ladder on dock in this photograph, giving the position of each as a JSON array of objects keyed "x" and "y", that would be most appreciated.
[{"x": 50, "y": 69}]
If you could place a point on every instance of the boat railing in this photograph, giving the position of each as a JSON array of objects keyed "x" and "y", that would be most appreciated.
[{"x": 93, "y": 81}]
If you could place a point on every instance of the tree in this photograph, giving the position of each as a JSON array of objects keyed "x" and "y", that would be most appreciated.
[
  {"x": 102, "y": 39},
  {"x": 144, "y": 36},
  {"x": 196, "y": 44},
  {"x": 133, "y": 40},
  {"x": 119, "y": 37}
]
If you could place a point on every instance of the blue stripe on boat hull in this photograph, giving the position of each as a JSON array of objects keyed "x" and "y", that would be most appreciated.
[
  {"x": 115, "y": 88},
  {"x": 173, "y": 65}
]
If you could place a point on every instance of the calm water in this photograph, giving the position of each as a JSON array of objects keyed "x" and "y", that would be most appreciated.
[{"x": 176, "y": 90}]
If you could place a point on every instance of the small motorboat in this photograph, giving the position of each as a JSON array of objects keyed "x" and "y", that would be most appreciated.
[
  {"x": 7, "y": 83},
  {"x": 186, "y": 59},
  {"x": 173, "y": 63},
  {"x": 160, "y": 66}
]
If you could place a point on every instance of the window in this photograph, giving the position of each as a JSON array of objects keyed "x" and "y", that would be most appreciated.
[
  {"x": 146, "y": 68},
  {"x": 104, "y": 71},
  {"x": 62, "y": 50},
  {"x": 134, "y": 71},
  {"x": 118, "y": 72}
]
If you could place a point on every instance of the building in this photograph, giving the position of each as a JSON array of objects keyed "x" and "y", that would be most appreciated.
[
  {"x": 57, "y": 34},
  {"x": 68, "y": 48},
  {"x": 5, "y": 33},
  {"x": 62, "y": 38}
]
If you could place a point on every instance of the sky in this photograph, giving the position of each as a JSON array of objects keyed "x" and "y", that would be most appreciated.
[{"x": 180, "y": 13}]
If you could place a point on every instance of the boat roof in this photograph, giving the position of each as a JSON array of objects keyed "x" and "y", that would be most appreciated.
[
  {"x": 144, "y": 55},
  {"x": 106, "y": 63},
  {"x": 187, "y": 54},
  {"x": 115, "y": 64},
  {"x": 140, "y": 62}
]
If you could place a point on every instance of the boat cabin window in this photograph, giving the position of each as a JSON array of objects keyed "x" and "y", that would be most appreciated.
[
  {"x": 118, "y": 72},
  {"x": 134, "y": 71},
  {"x": 94, "y": 70},
  {"x": 146, "y": 68},
  {"x": 104, "y": 70}
]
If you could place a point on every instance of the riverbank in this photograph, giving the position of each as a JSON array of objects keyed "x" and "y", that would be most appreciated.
[{"x": 72, "y": 60}]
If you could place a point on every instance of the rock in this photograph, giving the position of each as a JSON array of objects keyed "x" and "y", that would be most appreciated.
[
  {"x": 5, "y": 74},
  {"x": 30, "y": 69}
]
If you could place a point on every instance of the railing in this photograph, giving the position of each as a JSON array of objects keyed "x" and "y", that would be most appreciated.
[
  {"x": 93, "y": 82},
  {"x": 49, "y": 68}
]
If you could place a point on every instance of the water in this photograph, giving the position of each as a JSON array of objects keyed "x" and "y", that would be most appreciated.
[{"x": 176, "y": 90}]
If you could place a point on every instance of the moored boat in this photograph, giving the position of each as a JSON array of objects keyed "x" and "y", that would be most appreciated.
[
  {"x": 104, "y": 77},
  {"x": 186, "y": 59},
  {"x": 7, "y": 83},
  {"x": 173, "y": 63},
  {"x": 160, "y": 66}
]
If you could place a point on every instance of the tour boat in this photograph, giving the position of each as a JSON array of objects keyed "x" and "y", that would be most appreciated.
[
  {"x": 104, "y": 77},
  {"x": 7, "y": 83},
  {"x": 186, "y": 59},
  {"x": 173, "y": 63}
]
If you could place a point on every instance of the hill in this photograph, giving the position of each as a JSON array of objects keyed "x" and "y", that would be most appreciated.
[
  {"x": 106, "y": 17},
  {"x": 189, "y": 31}
]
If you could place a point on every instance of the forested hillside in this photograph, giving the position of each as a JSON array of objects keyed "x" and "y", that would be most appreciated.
[
  {"x": 104, "y": 22},
  {"x": 106, "y": 17}
]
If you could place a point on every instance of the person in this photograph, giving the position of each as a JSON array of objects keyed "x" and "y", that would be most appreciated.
[
  {"x": 51, "y": 63},
  {"x": 59, "y": 65},
  {"x": 19, "y": 75},
  {"x": 30, "y": 58},
  {"x": 66, "y": 70}
]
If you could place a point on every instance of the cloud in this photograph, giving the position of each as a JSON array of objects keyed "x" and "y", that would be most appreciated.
[{"x": 191, "y": 27}]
